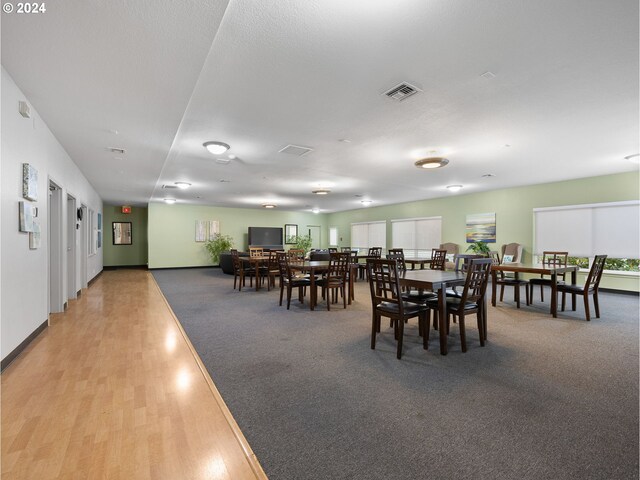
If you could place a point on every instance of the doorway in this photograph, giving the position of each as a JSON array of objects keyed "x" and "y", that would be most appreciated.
[
  {"x": 314, "y": 232},
  {"x": 72, "y": 290},
  {"x": 56, "y": 249},
  {"x": 84, "y": 243}
]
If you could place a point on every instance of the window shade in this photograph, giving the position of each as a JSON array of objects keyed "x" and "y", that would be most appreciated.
[
  {"x": 587, "y": 230},
  {"x": 417, "y": 236},
  {"x": 367, "y": 235}
]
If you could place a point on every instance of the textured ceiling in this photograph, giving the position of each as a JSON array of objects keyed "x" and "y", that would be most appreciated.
[{"x": 170, "y": 75}]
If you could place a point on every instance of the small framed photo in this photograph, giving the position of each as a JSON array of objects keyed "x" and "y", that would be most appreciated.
[
  {"x": 29, "y": 182},
  {"x": 34, "y": 236},
  {"x": 26, "y": 217},
  {"x": 122, "y": 234},
  {"x": 290, "y": 233}
]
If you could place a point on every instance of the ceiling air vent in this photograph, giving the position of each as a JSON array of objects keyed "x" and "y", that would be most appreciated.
[
  {"x": 296, "y": 150},
  {"x": 169, "y": 186},
  {"x": 117, "y": 150},
  {"x": 402, "y": 91}
]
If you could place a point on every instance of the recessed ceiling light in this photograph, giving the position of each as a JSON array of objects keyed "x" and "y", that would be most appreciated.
[
  {"x": 182, "y": 185},
  {"x": 216, "y": 148},
  {"x": 432, "y": 162},
  {"x": 366, "y": 203},
  {"x": 454, "y": 188},
  {"x": 315, "y": 210},
  {"x": 170, "y": 201},
  {"x": 231, "y": 156},
  {"x": 488, "y": 75},
  {"x": 268, "y": 205},
  {"x": 322, "y": 191},
  {"x": 635, "y": 158}
]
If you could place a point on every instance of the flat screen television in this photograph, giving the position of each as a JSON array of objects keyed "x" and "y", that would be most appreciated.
[{"x": 266, "y": 237}]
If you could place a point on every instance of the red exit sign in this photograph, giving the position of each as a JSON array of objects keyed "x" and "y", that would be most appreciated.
[{"x": 126, "y": 209}]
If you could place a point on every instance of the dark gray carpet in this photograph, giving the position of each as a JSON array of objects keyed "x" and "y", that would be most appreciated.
[{"x": 545, "y": 399}]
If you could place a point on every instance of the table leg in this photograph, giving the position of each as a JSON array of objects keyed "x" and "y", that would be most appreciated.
[
  {"x": 256, "y": 265},
  {"x": 442, "y": 320},
  {"x": 312, "y": 286},
  {"x": 351, "y": 294},
  {"x": 554, "y": 295},
  {"x": 494, "y": 287}
]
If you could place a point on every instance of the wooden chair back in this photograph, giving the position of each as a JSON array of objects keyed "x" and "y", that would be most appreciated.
[
  {"x": 397, "y": 254},
  {"x": 395, "y": 251},
  {"x": 256, "y": 251},
  {"x": 461, "y": 261},
  {"x": 295, "y": 255},
  {"x": 595, "y": 274},
  {"x": 345, "y": 249},
  {"x": 555, "y": 259},
  {"x": 384, "y": 283},
  {"x": 375, "y": 252},
  {"x": 438, "y": 259},
  {"x": 338, "y": 267},
  {"x": 283, "y": 265},
  {"x": 475, "y": 285}
]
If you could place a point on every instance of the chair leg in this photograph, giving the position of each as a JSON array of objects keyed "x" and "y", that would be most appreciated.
[
  {"x": 564, "y": 300},
  {"x": 425, "y": 329},
  {"x": 344, "y": 297},
  {"x": 374, "y": 330},
  {"x": 516, "y": 295},
  {"x": 281, "y": 292},
  {"x": 501, "y": 293},
  {"x": 573, "y": 302},
  {"x": 595, "y": 303},
  {"x": 463, "y": 336},
  {"x": 400, "y": 324},
  {"x": 541, "y": 293},
  {"x": 586, "y": 308},
  {"x": 289, "y": 288},
  {"x": 480, "y": 327},
  {"x": 529, "y": 298}
]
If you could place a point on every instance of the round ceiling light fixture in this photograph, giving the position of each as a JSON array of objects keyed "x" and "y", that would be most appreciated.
[
  {"x": 269, "y": 205},
  {"x": 216, "y": 148},
  {"x": 315, "y": 210},
  {"x": 182, "y": 185},
  {"x": 170, "y": 201},
  {"x": 635, "y": 158},
  {"x": 366, "y": 203},
  {"x": 322, "y": 191},
  {"x": 432, "y": 162},
  {"x": 454, "y": 188}
]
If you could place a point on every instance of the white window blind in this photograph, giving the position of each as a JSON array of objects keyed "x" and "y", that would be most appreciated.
[
  {"x": 369, "y": 234},
  {"x": 611, "y": 229},
  {"x": 417, "y": 236},
  {"x": 333, "y": 236}
]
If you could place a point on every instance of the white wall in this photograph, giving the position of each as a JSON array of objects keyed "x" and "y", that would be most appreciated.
[{"x": 24, "y": 303}]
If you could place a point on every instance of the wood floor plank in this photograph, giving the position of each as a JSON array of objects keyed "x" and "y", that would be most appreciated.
[{"x": 113, "y": 389}]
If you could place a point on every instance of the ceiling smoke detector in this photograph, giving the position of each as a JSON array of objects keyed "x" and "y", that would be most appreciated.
[
  {"x": 296, "y": 150},
  {"x": 402, "y": 91}
]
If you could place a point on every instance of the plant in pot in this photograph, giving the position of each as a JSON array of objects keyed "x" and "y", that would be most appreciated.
[
  {"x": 479, "y": 248},
  {"x": 302, "y": 242},
  {"x": 218, "y": 244}
]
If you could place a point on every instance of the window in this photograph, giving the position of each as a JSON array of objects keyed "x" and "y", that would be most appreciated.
[
  {"x": 369, "y": 234},
  {"x": 584, "y": 231},
  {"x": 417, "y": 236},
  {"x": 333, "y": 236},
  {"x": 93, "y": 233}
]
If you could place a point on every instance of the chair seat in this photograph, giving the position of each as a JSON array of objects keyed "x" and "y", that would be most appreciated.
[
  {"x": 511, "y": 281},
  {"x": 416, "y": 296},
  {"x": 297, "y": 282},
  {"x": 409, "y": 308},
  {"x": 453, "y": 302},
  {"x": 568, "y": 288},
  {"x": 543, "y": 281}
]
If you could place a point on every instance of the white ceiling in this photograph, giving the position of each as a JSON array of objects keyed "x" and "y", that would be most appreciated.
[{"x": 170, "y": 75}]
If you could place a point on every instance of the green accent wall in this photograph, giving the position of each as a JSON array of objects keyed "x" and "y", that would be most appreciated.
[
  {"x": 513, "y": 208},
  {"x": 125, "y": 255},
  {"x": 172, "y": 230}
]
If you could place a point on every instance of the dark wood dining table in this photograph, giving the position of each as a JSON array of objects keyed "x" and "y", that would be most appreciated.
[
  {"x": 318, "y": 267},
  {"x": 550, "y": 270},
  {"x": 436, "y": 281}
]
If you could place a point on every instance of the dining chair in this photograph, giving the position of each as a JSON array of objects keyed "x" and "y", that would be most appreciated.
[
  {"x": 438, "y": 259},
  {"x": 394, "y": 251},
  {"x": 295, "y": 255},
  {"x": 373, "y": 252},
  {"x": 256, "y": 251},
  {"x": 549, "y": 259},
  {"x": 470, "y": 302},
  {"x": 240, "y": 271},
  {"x": 273, "y": 268},
  {"x": 345, "y": 249},
  {"x": 452, "y": 250},
  {"x": 289, "y": 280},
  {"x": 384, "y": 285},
  {"x": 332, "y": 250},
  {"x": 514, "y": 281},
  {"x": 590, "y": 287},
  {"x": 334, "y": 280}
]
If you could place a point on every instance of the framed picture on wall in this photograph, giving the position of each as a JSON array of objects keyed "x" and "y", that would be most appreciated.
[
  {"x": 122, "y": 234},
  {"x": 290, "y": 233},
  {"x": 29, "y": 182},
  {"x": 34, "y": 236},
  {"x": 26, "y": 214}
]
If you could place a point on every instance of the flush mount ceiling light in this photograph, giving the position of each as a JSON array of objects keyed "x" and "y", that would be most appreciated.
[
  {"x": 182, "y": 185},
  {"x": 432, "y": 162},
  {"x": 268, "y": 205},
  {"x": 170, "y": 201},
  {"x": 315, "y": 210},
  {"x": 454, "y": 188},
  {"x": 366, "y": 203},
  {"x": 322, "y": 191},
  {"x": 216, "y": 148},
  {"x": 635, "y": 158}
]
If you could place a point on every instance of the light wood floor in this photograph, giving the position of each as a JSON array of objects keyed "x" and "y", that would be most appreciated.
[{"x": 113, "y": 390}]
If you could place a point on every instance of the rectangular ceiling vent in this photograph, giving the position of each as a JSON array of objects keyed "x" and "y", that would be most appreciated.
[
  {"x": 169, "y": 186},
  {"x": 296, "y": 150},
  {"x": 117, "y": 150},
  {"x": 402, "y": 91}
]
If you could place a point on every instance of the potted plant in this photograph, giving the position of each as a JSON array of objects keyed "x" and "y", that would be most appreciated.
[
  {"x": 479, "y": 248},
  {"x": 218, "y": 244},
  {"x": 302, "y": 242}
]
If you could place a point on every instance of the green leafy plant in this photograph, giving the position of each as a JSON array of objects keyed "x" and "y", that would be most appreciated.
[
  {"x": 302, "y": 242},
  {"x": 218, "y": 244},
  {"x": 479, "y": 248}
]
